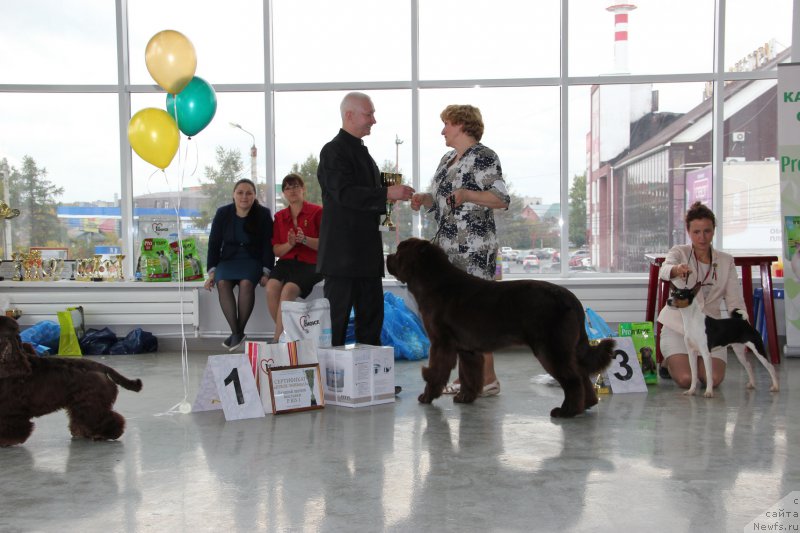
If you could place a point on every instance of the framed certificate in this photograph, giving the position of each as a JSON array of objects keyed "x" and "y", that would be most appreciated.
[{"x": 295, "y": 388}]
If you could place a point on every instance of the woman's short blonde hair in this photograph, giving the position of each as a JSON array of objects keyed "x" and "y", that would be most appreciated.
[{"x": 467, "y": 116}]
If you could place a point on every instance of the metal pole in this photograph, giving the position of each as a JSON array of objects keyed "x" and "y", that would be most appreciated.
[
  {"x": 397, "y": 143},
  {"x": 253, "y": 154},
  {"x": 253, "y": 158},
  {"x": 6, "y": 225}
]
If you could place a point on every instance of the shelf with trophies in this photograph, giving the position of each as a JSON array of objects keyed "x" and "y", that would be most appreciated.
[{"x": 42, "y": 264}]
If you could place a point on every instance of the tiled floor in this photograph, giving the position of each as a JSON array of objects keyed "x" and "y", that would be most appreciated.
[{"x": 658, "y": 461}]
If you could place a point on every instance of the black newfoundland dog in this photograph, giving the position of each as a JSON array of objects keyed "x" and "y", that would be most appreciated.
[{"x": 468, "y": 316}]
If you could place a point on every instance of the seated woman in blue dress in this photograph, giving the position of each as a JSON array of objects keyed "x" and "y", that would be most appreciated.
[{"x": 239, "y": 254}]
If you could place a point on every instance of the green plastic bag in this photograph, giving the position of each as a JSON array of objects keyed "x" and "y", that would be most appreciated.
[{"x": 71, "y": 322}]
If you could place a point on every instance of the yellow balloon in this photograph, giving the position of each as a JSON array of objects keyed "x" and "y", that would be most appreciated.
[
  {"x": 171, "y": 60},
  {"x": 154, "y": 135}
]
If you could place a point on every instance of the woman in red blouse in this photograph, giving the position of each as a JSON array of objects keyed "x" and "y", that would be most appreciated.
[{"x": 295, "y": 239}]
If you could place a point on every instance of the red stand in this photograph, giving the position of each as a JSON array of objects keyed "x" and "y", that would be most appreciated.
[{"x": 658, "y": 291}]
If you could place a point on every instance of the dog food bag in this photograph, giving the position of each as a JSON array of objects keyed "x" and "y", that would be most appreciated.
[
  {"x": 644, "y": 341},
  {"x": 192, "y": 268},
  {"x": 154, "y": 263}
]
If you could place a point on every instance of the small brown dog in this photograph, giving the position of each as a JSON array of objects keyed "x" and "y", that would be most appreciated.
[
  {"x": 468, "y": 316},
  {"x": 32, "y": 386}
]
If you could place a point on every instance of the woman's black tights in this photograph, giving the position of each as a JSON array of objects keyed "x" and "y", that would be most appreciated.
[{"x": 237, "y": 316}]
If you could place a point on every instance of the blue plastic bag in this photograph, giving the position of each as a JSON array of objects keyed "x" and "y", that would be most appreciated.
[
  {"x": 97, "y": 341},
  {"x": 43, "y": 336},
  {"x": 596, "y": 327},
  {"x": 137, "y": 341},
  {"x": 402, "y": 330}
]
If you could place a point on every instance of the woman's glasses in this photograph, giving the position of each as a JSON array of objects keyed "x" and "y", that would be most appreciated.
[{"x": 292, "y": 187}]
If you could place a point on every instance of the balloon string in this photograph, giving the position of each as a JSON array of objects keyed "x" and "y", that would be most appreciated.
[
  {"x": 175, "y": 110},
  {"x": 182, "y": 407},
  {"x": 147, "y": 184}
]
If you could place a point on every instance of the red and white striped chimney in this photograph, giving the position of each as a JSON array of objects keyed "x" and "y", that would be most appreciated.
[{"x": 621, "y": 36}]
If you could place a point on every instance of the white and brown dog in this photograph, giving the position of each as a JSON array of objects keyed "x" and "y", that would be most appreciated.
[{"x": 703, "y": 333}]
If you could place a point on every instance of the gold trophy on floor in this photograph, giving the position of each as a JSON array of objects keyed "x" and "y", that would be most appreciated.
[{"x": 388, "y": 179}]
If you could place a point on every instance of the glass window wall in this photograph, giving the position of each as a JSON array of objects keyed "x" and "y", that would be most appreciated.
[{"x": 602, "y": 159}]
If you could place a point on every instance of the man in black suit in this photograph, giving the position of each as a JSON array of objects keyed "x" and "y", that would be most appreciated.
[{"x": 350, "y": 254}]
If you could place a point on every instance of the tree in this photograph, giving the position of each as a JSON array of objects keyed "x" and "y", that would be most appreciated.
[
  {"x": 513, "y": 229},
  {"x": 577, "y": 211},
  {"x": 219, "y": 182},
  {"x": 308, "y": 171},
  {"x": 36, "y": 197}
]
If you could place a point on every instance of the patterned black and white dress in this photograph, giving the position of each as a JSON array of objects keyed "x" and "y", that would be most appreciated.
[{"x": 468, "y": 235}]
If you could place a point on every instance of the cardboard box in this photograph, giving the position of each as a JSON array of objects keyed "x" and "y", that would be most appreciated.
[{"x": 357, "y": 375}]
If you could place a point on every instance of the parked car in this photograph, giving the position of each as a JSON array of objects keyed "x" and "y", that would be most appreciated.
[
  {"x": 530, "y": 263},
  {"x": 555, "y": 261},
  {"x": 580, "y": 260},
  {"x": 523, "y": 254}
]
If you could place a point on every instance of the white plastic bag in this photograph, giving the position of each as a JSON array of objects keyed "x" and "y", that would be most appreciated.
[{"x": 307, "y": 320}]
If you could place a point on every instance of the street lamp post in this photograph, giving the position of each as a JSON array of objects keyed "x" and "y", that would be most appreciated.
[
  {"x": 7, "y": 227},
  {"x": 397, "y": 143},
  {"x": 253, "y": 153}
]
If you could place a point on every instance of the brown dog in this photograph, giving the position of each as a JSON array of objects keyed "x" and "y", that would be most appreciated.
[
  {"x": 32, "y": 386},
  {"x": 468, "y": 316},
  {"x": 648, "y": 364}
]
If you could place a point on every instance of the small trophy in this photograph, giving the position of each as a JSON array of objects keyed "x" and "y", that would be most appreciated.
[
  {"x": 388, "y": 179},
  {"x": 96, "y": 273},
  {"x": 19, "y": 271},
  {"x": 120, "y": 274}
]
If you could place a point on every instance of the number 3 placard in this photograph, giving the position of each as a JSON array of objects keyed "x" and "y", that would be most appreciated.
[
  {"x": 625, "y": 374},
  {"x": 228, "y": 380}
]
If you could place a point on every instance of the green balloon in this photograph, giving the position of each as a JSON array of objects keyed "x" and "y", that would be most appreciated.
[{"x": 193, "y": 107}]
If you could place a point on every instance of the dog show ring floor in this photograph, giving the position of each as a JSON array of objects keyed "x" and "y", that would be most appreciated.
[{"x": 659, "y": 461}]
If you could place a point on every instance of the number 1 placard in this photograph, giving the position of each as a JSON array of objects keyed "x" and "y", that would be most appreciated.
[
  {"x": 233, "y": 386},
  {"x": 625, "y": 374}
]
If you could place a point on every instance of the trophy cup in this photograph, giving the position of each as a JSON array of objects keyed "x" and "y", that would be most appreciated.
[
  {"x": 48, "y": 269},
  {"x": 59, "y": 269},
  {"x": 33, "y": 265},
  {"x": 83, "y": 269},
  {"x": 96, "y": 273},
  {"x": 388, "y": 179},
  {"x": 19, "y": 271},
  {"x": 6, "y": 212},
  {"x": 120, "y": 274}
]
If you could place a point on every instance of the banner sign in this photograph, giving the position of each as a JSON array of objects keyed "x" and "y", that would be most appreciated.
[{"x": 789, "y": 158}]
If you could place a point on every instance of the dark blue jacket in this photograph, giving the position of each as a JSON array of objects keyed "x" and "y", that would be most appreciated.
[{"x": 222, "y": 243}]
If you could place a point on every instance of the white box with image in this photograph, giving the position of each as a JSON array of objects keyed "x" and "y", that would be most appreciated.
[{"x": 357, "y": 375}]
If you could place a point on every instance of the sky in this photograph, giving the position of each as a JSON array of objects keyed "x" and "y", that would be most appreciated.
[{"x": 75, "y": 136}]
